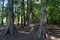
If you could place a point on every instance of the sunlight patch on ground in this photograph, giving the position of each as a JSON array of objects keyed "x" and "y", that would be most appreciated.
[
  {"x": 54, "y": 38},
  {"x": 24, "y": 32}
]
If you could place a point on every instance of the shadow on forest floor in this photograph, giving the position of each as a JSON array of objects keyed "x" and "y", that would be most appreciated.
[
  {"x": 53, "y": 32},
  {"x": 19, "y": 37}
]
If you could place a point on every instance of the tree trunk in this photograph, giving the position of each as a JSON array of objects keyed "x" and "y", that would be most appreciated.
[
  {"x": 31, "y": 11},
  {"x": 41, "y": 30},
  {"x": 23, "y": 9},
  {"x": 10, "y": 20},
  {"x": 2, "y": 23},
  {"x": 22, "y": 15},
  {"x": 18, "y": 15},
  {"x": 28, "y": 16}
]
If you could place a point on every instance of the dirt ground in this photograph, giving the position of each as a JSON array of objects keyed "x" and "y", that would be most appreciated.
[
  {"x": 19, "y": 37},
  {"x": 24, "y": 37},
  {"x": 29, "y": 36}
]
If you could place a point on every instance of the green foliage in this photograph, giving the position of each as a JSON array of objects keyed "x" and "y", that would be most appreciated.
[
  {"x": 36, "y": 12},
  {"x": 52, "y": 11}
]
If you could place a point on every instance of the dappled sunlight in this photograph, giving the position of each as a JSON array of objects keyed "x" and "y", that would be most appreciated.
[
  {"x": 24, "y": 32},
  {"x": 54, "y": 38},
  {"x": 30, "y": 19}
]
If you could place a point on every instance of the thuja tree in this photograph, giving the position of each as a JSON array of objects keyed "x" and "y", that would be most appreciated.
[
  {"x": 41, "y": 30},
  {"x": 10, "y": 28}
]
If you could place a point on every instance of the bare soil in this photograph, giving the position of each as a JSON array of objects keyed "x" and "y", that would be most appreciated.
[
  {"x": 31, "y": 36},
  {"x": 20, "y": 36}
]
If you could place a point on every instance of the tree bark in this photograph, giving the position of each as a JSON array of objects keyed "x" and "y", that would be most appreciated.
[
  {"x": 41, "y": 30},
  {"x": 31, "y": 11},
  {"x": 23, "y": 9},
  {"x": 10, "y": 20},
  {"x": 28, "y": 15},
  {"x": 2, "y": 23}
]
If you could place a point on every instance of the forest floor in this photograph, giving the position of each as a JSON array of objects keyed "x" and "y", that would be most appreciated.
[
  {"x": 54, "y": 32},
  {"x": 19, "y": 37},
  {"x": 54, "y": 38},
  {"x": 23, "y": 35}
]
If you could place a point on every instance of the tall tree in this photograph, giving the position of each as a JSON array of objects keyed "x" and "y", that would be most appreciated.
[
  {"x": 23, "y": 9},
  {"x": 22, "y": 13},
  {"x": 28, "y": 15},
  {"x": 41, "y": 30},
  {"x": 18, "y": 11},
  {"x": 10, "y": 18},
  {"x": 2, "y": 13},
  {"x": 31, "y": 16},
  {"x": 10, "y": 28}
]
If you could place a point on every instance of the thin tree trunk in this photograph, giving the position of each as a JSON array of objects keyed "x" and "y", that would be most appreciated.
[
  {"x": 31, "y": 11},
  {"x": 23, "y": 5},
  {"x": 18, "y": 16},
  {"x": 2, "y": 23},
  {"x": 31, "y": 15},
  {"x": 28, "y": 16},
  {"x": 22, "y": 17},
  {"x": 19, "y": 19}
]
